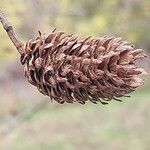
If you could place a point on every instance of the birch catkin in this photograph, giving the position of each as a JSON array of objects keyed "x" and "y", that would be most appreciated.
[{"x": 70, "y": 69}]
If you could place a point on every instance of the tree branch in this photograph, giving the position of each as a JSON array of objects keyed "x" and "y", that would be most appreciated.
[
  {"x": 15, "y": 122},
  {"x": 9, "y": 29}
]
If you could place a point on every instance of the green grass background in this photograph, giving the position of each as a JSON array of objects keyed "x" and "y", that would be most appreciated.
[{"x": 118, "y": 126}]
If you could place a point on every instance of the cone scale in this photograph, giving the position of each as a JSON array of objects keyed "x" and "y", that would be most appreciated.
[{"x": 71, "y": 69}]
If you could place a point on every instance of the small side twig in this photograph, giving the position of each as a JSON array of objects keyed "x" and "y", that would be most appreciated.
[{"x": 9, "y": 29}]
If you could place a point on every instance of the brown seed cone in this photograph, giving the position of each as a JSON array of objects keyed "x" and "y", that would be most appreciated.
[{"x": 69, "y": 69}]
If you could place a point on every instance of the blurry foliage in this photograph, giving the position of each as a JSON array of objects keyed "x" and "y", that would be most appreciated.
[{"x": 127, "y": 18}]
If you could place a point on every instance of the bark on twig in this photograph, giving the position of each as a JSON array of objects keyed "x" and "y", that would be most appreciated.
[{"x": 9, "y": 29}]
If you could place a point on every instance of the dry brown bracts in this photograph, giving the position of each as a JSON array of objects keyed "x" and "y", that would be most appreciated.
[{"x": 69, "y": 69}]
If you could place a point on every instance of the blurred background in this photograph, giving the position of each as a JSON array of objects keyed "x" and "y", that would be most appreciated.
[{"x": 28, "y": 120}]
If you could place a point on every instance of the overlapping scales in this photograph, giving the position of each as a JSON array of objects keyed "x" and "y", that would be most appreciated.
[{"x": 69, "y": 69}]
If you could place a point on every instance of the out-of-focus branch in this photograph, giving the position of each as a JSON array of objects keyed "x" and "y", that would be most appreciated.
[
  {"x": 9, "y": 29},
  {"x": 21, "y": 118}
]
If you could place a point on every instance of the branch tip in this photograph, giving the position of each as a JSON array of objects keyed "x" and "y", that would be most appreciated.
[{"x": 9, "y": 29}]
